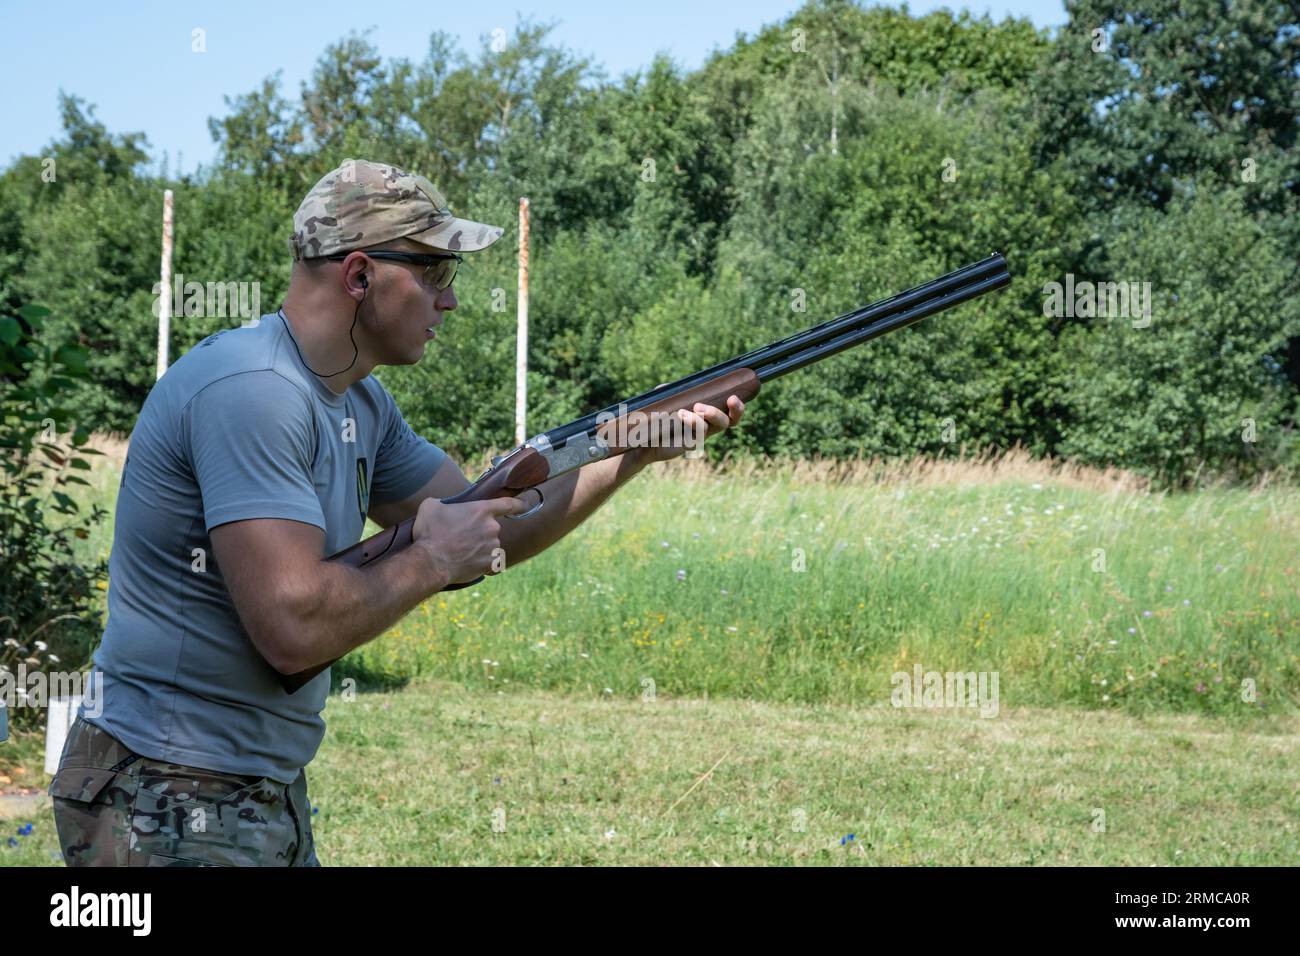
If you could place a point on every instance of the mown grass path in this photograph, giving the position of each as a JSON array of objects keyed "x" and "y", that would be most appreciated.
[{"x": 425, "y": 774}]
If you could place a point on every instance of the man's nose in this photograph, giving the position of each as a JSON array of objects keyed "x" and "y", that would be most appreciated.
[{"x": 447, "y": 299}]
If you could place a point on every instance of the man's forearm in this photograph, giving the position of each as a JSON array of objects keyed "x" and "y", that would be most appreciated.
[
  {"x": 344, "y": 607},
  {"x": 347, "y": 606},
  {"x": 570, "y": 500}
]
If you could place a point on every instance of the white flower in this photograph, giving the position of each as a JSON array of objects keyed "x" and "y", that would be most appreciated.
[
  {"x": 611, "y": 833},
  {"x": 541, "y": 643},
  {"x": 42, "y": 646},
  {"x": 53, "y": 659}
]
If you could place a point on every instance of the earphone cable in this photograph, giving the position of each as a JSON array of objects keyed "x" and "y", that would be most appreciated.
[{"x": 356, "y": 352}]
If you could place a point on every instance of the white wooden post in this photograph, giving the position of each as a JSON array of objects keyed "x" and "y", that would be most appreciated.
[
  {"x": 521, "y": 340},
  {"x": 165, "y": 310},
  {"x": 59, "y": 717}
]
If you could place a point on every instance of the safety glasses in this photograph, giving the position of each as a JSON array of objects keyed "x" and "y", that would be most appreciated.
[{"x": 439, "y": 269}]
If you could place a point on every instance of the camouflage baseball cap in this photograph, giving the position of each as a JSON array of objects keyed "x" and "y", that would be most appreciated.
[{"x": 363, "y": 204}]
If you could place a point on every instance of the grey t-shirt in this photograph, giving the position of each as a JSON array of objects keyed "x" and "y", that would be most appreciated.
[{"x": 238, "y": 428}]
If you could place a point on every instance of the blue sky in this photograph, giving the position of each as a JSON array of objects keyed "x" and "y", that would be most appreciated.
[{"x": 133, "y": 60}]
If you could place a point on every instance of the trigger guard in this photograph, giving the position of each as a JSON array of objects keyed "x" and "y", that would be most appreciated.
[
  {"x": 467, "y": 584},
  {"x": 541, "y": 500}
]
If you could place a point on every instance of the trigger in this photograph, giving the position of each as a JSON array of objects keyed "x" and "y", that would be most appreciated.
[{"x": 541, "y": 499}]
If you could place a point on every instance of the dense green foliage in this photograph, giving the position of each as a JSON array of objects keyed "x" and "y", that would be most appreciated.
[
  {"x": 47, "y": 587},
  {"x": 679, "y": 217}
]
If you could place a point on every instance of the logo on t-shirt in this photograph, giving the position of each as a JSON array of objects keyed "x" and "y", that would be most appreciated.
[
  {"x": 363, "y": 488},
  {"x": 212, "y": 338}
]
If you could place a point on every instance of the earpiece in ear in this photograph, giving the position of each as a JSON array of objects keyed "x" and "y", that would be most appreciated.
[{"x": 365, "y": 283}]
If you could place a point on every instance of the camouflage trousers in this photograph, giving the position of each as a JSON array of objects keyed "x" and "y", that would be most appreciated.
[{"x": 113, "y": 807}]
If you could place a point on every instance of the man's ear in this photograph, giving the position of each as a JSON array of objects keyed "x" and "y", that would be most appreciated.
[{"x": 355, "y": 266}]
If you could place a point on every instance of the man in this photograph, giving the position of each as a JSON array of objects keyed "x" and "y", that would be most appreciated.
[{"x": 257, "y": 455}]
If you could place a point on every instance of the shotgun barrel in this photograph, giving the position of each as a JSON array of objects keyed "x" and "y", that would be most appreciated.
[
  {"x": 833, "y": 345},
  {"x": 993, "y": 265}
]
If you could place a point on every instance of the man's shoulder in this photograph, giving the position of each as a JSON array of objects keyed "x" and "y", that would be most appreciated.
[{"x": 249, "y": 356}]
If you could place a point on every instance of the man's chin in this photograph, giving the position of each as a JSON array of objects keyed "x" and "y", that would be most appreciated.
[
  {"x": 404, "y": 358},
  {"x": 424, "y": 348}
]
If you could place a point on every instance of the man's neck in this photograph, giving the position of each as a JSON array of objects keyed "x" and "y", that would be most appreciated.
[{"x": 326, "y": 343}]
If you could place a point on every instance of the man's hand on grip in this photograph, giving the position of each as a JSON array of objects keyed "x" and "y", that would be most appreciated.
[{"x": 465, "y": 539}]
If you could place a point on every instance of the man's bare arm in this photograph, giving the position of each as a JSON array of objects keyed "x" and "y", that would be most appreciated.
[
  {"x": 569, "y": 499},
  {"x": 301, "y": 610}
]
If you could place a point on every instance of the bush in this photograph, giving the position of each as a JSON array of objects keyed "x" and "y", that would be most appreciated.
[
  {"x": 1196, "y": 389},
  {"x": 47, "y": 591}
]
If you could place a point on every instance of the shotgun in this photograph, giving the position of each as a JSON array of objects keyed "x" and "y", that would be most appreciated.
[{"x": 614, "y": 430}]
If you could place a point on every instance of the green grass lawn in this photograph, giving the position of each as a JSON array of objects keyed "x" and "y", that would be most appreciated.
[{"x": 422, "y": 775}]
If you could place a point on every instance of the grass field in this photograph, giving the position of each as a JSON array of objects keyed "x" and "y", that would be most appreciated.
[
  {"x": 817, "y": 586},
  {"x": 422, "y": 776},
  {"x": 1146, "y": 649}
]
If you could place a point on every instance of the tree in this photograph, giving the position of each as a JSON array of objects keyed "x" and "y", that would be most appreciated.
[{"x": 1200, "y": 386}]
